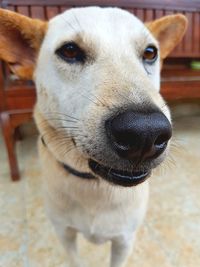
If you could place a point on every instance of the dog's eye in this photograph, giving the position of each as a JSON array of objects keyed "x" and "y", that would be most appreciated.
[
  {"x": 150, "y": 54},
  {"x": 71, "y": 53}
]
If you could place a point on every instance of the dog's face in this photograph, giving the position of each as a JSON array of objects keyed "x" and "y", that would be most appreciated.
[{"x": 98, "y": 78}]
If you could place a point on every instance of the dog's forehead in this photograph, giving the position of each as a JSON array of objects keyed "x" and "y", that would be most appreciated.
[{"x": 106, "y": 24}]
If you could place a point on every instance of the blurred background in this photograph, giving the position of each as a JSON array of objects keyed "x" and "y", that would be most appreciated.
[{"x": 170, "y": 234}]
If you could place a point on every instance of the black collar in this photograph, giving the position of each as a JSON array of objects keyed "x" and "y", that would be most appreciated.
[{"x": 83, "y": 175}]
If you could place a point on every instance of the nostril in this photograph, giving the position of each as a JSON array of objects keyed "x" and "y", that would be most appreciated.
[
  {"x": 119, "y": 134},
  {"x": 161, "y": 141},
  {"x": 125, "y": 139}
]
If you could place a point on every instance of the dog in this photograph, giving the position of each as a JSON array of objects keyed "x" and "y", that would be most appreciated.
[{"x": 103, "y": 124}]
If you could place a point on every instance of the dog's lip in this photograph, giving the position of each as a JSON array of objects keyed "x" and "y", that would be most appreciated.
[{"x": 123, "y": 178}]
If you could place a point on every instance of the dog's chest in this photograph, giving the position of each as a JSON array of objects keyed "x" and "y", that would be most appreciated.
[
  {"x": 100, "y": 223},
  {"x": 100, "y": 217}
]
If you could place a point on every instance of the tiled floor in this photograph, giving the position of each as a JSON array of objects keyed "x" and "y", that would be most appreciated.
[{"x": 169, "y": 237}]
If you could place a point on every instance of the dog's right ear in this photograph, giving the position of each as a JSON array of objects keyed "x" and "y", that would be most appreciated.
[
  {"x": 20, "y": 41},
  {"x": 168, "y": 30}
]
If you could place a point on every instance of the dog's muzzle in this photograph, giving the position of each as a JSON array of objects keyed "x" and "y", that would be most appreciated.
[
  {"x": 118, "y": 177},
  {"x": 139, "y": 135},
  {"x": 138, "y": 138}
]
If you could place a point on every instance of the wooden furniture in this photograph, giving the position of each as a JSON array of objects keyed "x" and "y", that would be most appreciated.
[{"x": 179, "y": 81}]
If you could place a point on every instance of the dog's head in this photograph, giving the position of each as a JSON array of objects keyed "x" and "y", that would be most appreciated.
[{"x": 97, "y": 72}]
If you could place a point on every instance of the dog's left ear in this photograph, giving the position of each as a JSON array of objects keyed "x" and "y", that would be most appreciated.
[
  {"x": 20, "y": 41},
  {"x": 169, "y": 31}
]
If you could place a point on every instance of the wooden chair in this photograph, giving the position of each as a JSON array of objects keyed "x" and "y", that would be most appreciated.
[{"x": 17, "y": 98}]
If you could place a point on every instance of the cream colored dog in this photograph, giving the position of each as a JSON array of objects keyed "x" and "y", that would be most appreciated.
[{"x": 103, "y": 124}]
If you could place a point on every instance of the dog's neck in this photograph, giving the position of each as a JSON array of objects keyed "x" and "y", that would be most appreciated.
[
  {"x": 69, "y": 169},
  {"x": 47, "y": 132}
]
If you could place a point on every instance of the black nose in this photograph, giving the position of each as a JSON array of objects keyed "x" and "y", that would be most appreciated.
[{"x": 138, "y": 135}]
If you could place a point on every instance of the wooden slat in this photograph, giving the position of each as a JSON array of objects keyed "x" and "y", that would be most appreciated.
[
  {"x": 196, "y": 32},
  {"x": 180, "y": 90},
  {"x": 63, "y": 8},
  {"x": 192, "y": 5},
  {"x": 159, "y": 13},
  {"x": 149, "y": 15},
  {"x": 38, "y": 12},
  {"x": 23, "y": 10},
  {"x": 51, "y": 12},
  {"x": 20, "y": 117},
  {"x": 11, "y": 8},
  {"x": 140, "y": 13},
  {"x": 178, "y": 50},
  {"x": 168, "y": 12},
  {"x": 131, "y": 10},
  {"x": 1, "y": 88},
  {"x": 20, "y": 102}
]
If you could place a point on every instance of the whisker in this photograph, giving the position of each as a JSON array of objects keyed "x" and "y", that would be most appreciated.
[
  {"x": 110, "y": 169},
  {"x": 61, "y": 135},
  {"x": 62, "y": 114},
  {"x": 55, "y": 141},
  {"x": 59, "y": 119},
  {"x": 163, "y": 106},
  {"x": 89, "y": 99},
  {"x": 103, "y": 103},
  {"x": 67, "y": 138},
  {"x": 67, "y": 127},
  {"x": 123, "y": 96},
  {"x": 71, "y": 149},
  {"x": 62, "y": 149},
  {"x": 176, "y": 146}
]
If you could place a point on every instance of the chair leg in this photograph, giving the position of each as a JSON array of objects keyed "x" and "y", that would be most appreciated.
[
  {"x": 18, "y": 135},
  {"x": 8, "y": 133}
]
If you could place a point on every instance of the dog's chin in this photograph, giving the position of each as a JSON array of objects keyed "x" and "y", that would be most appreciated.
[{"x": 119, "y": 177}]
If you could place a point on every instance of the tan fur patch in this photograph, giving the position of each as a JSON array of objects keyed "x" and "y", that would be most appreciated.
[
  {"x": 169, "y": 31},
  {"x": 20, "y": 41}
]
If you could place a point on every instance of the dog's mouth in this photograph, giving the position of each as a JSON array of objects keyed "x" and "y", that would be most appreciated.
[{"x": 119, "y": 177}]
